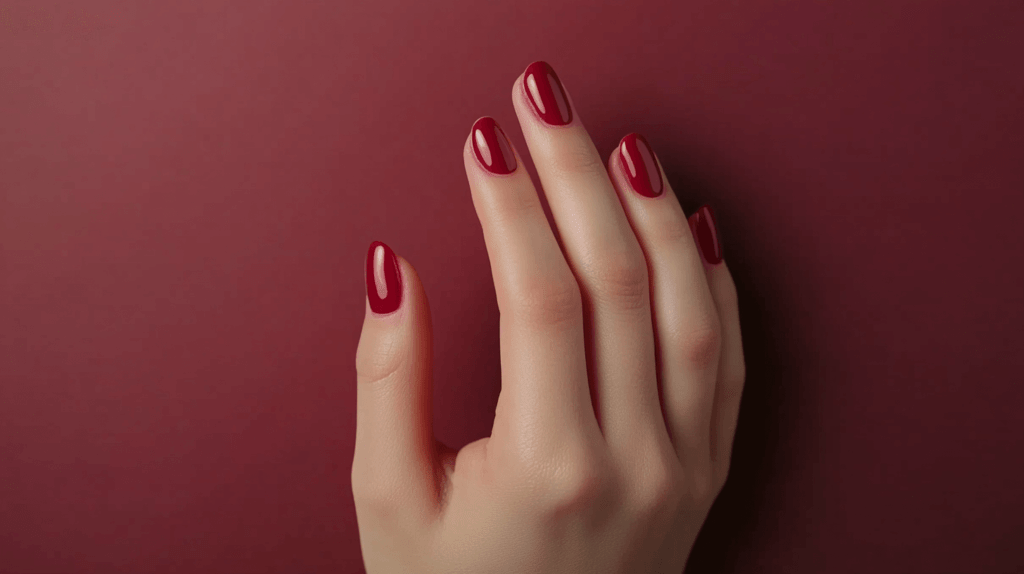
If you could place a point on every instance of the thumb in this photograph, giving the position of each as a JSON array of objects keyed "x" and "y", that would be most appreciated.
[{"x": 395, "y": 461}]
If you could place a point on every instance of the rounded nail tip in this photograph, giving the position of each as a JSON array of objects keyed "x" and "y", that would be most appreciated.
[
  {"x": 388, "y": 252},
  {"x": 539, "y": 64},
  {"x": 480, "y": 124},
  {"x": 555, "y": 116},
  {"x": 373, "y": 248},
  {"x": 646, "y": 184},
  {"x": 482, "y": 120},
  {"x": 709, "y": 212},
  {"x": 494, "y": 137},
  {"x": 538, "y": 68}
]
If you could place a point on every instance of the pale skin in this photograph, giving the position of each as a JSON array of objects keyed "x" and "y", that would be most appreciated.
[{"x": 587, "y": 469}]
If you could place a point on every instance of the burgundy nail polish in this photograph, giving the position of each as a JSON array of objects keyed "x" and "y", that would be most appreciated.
[
  {"x": 706, "y": 233},
  {"x": 383, "y": 279},
  {"x": 492, "y": 147},
  {"x": 546, "y": 94},
  {"x": 640, "y": 165}
]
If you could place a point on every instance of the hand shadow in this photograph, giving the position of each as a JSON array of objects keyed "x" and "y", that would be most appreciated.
[{"x": 757, "y": 457}]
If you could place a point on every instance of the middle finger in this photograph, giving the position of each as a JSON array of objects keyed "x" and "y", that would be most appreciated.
[{"x": 605, "y": 257}]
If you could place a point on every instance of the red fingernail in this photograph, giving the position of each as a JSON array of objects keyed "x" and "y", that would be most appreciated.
[
  {"x": 492, "y": 147},
  {"x": 546, "y": 94},
  {"x": 383, "y": 279},
  {"x": 640, "y": 165},
  {"x": 702, "y": 224}
]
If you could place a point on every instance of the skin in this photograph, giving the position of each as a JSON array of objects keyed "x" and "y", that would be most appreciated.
[{"x": 586, "y": 469}]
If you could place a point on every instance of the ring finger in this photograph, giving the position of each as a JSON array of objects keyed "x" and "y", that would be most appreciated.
[{"x": 687, "y": 325}]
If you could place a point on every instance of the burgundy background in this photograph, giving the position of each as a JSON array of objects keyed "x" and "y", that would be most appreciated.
[{"x": 188, "y": 192}]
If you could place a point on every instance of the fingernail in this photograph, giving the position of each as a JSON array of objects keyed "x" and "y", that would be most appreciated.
[
  {"x": 546, "y": 94},
  {"x": 705, "y": 232},
  {"x": 492, "y": 147},
  {"x": 640, "y": 165},
  {"x": 383, "y": 279}
]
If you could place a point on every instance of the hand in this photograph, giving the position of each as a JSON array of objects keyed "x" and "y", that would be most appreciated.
[{"x": 587, "y": 469}]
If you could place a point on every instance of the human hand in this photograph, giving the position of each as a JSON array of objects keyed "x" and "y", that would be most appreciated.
[{"x": 587, "y": 469}]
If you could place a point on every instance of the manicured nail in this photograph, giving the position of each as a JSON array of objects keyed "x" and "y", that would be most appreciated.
[
  {"x": 492, "y": 147},
  {"x": 640, "y": 165},
  {"x": 702, "y": 224},
  {"x": 546, "y": 94},
  {"x": 383, "y": 279}
]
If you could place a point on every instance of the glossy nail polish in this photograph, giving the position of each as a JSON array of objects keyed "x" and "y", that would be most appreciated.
[
  {"x": 706, "y": 233},
  {"x": 383, "y": 279},
  {"x": 640, "y": 165},
  {"x": 545, "y": 92},
  {"x": 492, "y": 147}
]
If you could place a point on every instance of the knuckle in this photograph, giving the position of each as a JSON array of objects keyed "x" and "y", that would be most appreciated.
[
  {"x": 620, "y": 279},
  {"x": 379, "y": 361},
  {"x": 578, "y": 158},
  {"x": 671, "y": 231},
  {"x": 511, "y": 209},
  {"x": 548, "y": 302},
  {"x": 701, "y": 343},
  {"x": 661, "y": 489},
  {"x": 560, "y": 479},
  {"x": 576, "y": 485}
]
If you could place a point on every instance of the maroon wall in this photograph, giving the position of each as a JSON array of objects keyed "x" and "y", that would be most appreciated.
[{"x": 188, "y": 192}]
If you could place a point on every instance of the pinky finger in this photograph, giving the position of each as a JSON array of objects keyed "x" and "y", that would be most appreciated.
[{"x": 731, "y": 366}]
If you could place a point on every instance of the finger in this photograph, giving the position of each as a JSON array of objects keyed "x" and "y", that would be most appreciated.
[
  {"x": 394, "y": 467},
  {"x": 731, "y": 365},
  {"x": 686, "y": 321},
  {"x": 605, "y": 257},
  {"x": 544, "y": 390}
]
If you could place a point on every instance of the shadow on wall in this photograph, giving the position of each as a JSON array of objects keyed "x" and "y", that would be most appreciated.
[{"x": 758, "y": 454}]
